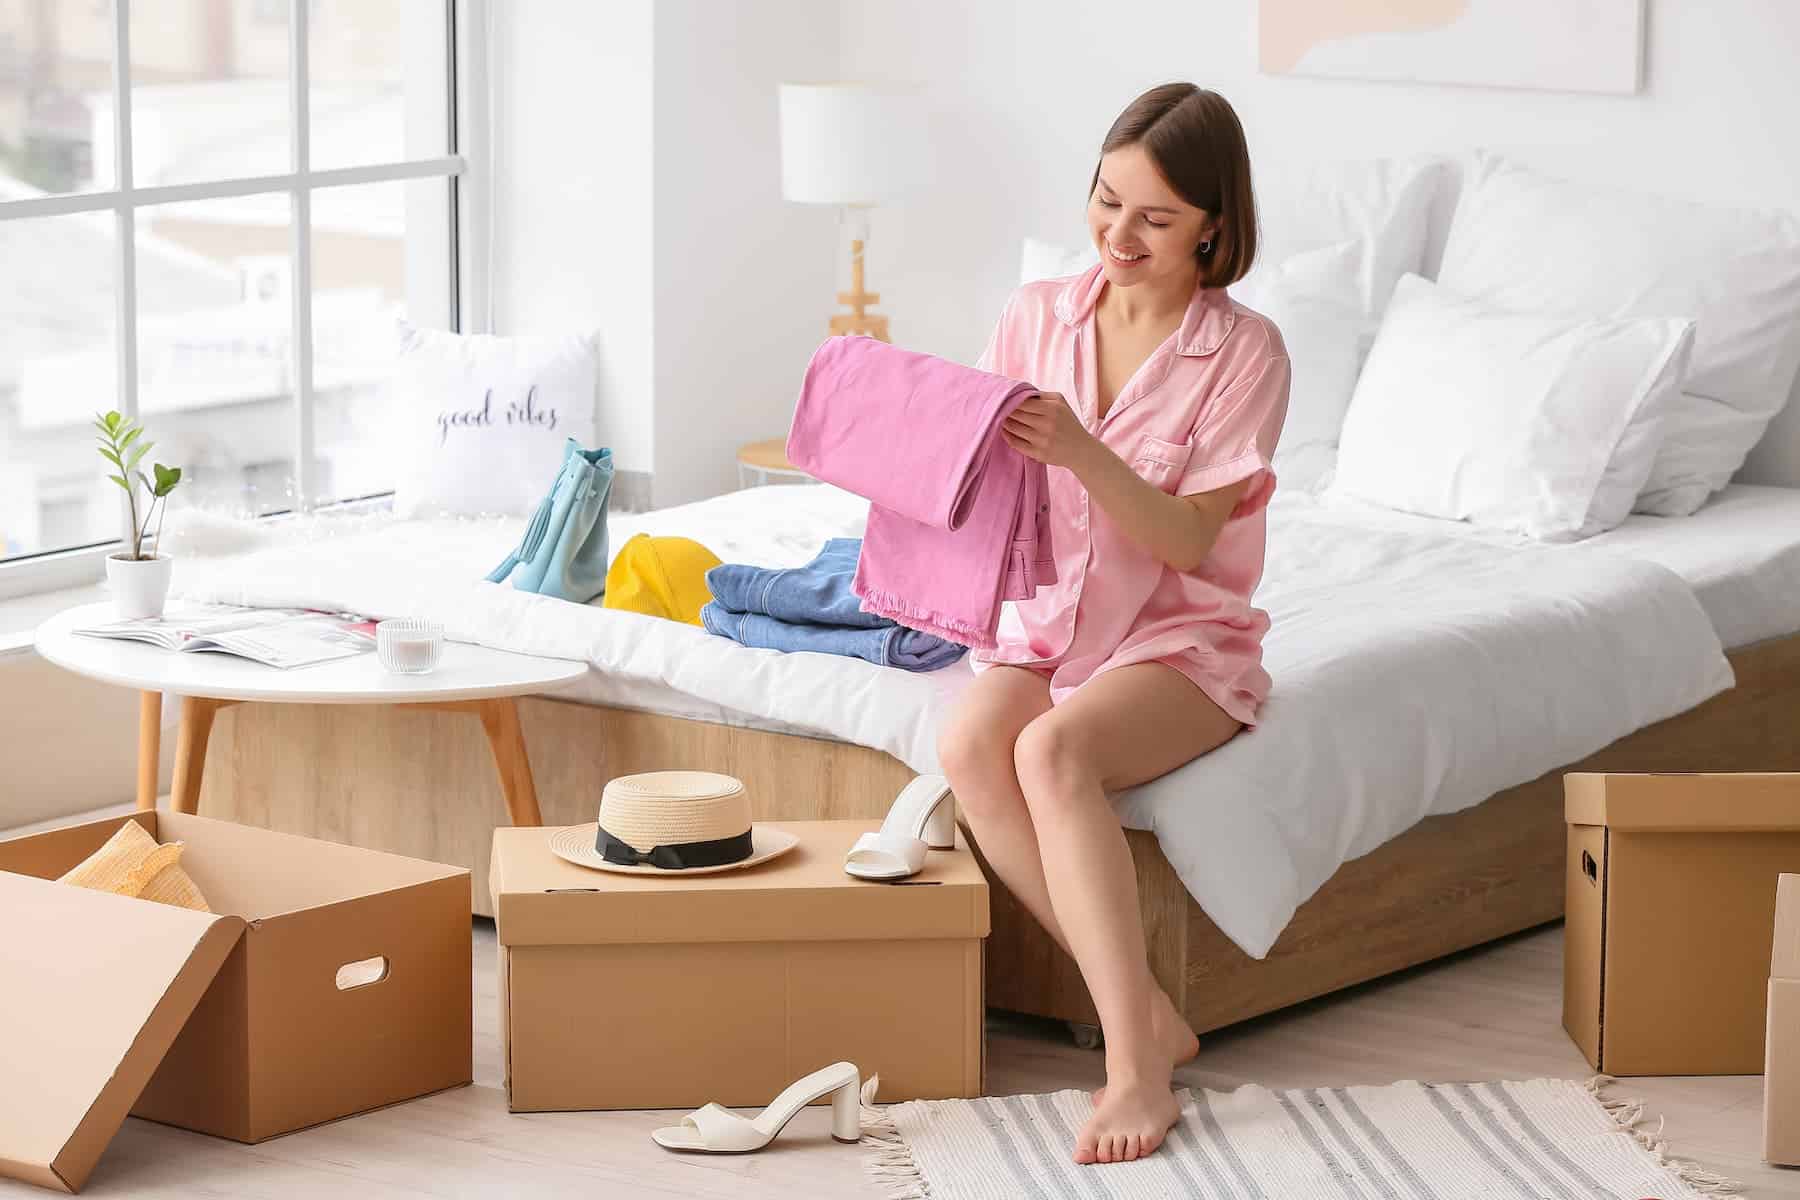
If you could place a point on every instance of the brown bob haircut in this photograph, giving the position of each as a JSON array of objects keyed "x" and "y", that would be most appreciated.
[{"x": 1193, "y": 137}]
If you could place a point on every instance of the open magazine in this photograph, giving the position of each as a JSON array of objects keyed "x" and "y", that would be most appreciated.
[{"x": 275, "y": 637}]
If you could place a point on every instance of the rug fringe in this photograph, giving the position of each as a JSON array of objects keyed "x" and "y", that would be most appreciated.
[
  {"x": 1628, "y": 1114},
  {"x": 889, "y": 1162}
]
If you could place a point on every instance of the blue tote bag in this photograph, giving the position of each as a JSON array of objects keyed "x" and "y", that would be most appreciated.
[{"x": 563, "y": 552}]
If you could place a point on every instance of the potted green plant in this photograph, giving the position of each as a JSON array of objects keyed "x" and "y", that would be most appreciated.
[{"x": 138, "y": 573}]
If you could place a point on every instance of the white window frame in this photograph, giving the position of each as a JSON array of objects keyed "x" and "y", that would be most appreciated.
[{"x": 467, "y": 29}]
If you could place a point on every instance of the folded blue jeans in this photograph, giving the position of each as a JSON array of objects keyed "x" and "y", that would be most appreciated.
[
  {"x": 893, "y": 646},
  {"x": 813, "y": 608},
  {"x": 818, "y": 593}
]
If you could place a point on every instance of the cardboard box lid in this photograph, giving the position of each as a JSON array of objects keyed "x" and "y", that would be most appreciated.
[
  {"x": 802, "y": 896},
  {"x": 1784, "y": 962},
  {"x": 1669, "y": 802},
  {"x": 97, "y": 987}
]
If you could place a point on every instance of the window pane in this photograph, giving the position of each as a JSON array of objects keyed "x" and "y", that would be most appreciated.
[
  {"x": 58, "y": 364},
  {"x": 378, "y": 87},
  {"x": 55, "y": 97},
  {"x": 215, "y": 321},
  {"x": 380, "y": 253},
  {"x": 209, "y": 90}
]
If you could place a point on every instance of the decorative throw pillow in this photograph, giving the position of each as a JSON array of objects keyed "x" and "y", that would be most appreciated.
[
  {"x": 483, "y": 420},
  {"x": 1507, "y": 420},
  {"x": 1530, "y": 242}
]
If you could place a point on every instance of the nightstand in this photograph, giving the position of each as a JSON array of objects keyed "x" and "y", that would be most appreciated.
[{"x": 760, "y": 462}]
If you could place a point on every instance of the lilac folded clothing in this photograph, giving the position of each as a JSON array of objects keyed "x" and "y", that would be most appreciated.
[{"x": 958, "y": 519}]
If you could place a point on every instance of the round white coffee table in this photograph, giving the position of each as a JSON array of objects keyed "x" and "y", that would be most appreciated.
[{"x": 473, "y": 679}]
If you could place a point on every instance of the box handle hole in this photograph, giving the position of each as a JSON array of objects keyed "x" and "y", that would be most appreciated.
[
  {"x": 362, "y": 973},
  {"x": 1590, "y": 868}
]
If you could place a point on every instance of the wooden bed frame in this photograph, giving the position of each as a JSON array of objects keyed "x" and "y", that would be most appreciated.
[{"x": 416, "y": 782}]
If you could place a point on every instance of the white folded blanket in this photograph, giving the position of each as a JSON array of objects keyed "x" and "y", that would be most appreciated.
[{"x": 1416, "y": 672}]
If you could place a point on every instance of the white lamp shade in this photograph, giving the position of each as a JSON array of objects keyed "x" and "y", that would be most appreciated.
[{"x": 845, "y": 143}]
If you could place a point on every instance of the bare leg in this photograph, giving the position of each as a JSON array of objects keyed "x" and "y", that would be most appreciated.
[
  {"x": 976, "y": 752},
  {"x": 1123, "y": 727}
]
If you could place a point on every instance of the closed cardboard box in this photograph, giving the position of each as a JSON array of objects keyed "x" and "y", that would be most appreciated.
[
  {"x": 328, "y": 980},
  {"x": 1671, "y": 884},
  {"x": 1781, "y": 1059},
  {"x": 633, "y": 991}
]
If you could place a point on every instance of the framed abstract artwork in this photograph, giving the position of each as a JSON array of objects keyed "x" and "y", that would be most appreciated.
[{"x": 1557, "y": 45}]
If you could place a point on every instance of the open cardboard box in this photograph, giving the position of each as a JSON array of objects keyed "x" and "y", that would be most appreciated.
[{"x": 328, "y": 980}]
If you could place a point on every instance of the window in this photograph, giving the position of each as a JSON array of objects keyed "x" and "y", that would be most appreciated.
[{"x": 213, "y": 214}]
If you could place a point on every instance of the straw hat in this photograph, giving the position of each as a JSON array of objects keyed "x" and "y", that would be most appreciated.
[{"x": 672, "y": 823}]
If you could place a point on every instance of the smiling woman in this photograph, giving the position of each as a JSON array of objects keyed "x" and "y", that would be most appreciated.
[
  {"x": 1211, "y": 189},
  {"x": 1160, "y": 400}
]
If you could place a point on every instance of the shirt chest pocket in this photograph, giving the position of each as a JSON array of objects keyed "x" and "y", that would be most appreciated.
[{"x": 1161, "y": 463}]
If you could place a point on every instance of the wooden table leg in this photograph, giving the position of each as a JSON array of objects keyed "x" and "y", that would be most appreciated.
[
  {"x": 197, "y": 715},
  {"x": 501, "y": 720},
  {"x": 149, "y": 748}
]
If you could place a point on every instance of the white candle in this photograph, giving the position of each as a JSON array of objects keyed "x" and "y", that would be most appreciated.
[{"x": 408, "y": 646}]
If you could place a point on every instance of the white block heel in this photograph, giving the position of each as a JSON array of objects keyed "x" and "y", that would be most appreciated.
[
  {"x": 715, "y": 1129},
  {"x": 923, "y": 817},
  {"x": 846, "y": 1113}
]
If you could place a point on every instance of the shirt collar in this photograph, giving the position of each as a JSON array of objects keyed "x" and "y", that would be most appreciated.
[{"x": 1203, "y": 328}]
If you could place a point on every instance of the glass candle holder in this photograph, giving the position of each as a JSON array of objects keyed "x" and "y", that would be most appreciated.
[{"x": 408, "y": 646}]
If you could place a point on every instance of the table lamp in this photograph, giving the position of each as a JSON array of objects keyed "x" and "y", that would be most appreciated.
[{"x": 847, "y": 144}]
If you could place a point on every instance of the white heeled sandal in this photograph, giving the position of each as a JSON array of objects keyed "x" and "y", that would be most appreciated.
[
  {"x": 922, "y": 818},
  {"x": 715, "y": 1129}
]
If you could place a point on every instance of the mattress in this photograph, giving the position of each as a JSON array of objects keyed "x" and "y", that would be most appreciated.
[{"x": 1418, "y": 668}]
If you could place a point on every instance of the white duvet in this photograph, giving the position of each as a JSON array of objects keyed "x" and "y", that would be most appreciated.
[{"x": 1416, "y": 672}]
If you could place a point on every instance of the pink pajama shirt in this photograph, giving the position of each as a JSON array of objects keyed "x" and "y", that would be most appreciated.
[{"x": 1203, "y": 412}]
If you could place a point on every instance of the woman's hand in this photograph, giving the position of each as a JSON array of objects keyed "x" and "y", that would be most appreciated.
[{"x": 1046, "y": 429}]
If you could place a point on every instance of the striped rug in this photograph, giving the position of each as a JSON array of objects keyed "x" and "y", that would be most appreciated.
[{"x": 1543, "y": 1139}]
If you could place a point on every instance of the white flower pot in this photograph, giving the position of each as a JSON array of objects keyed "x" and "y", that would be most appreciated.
[{"x": 139, "y": 587}]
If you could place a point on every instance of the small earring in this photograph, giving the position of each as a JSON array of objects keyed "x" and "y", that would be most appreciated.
[{"x": 1206, "y": 247}]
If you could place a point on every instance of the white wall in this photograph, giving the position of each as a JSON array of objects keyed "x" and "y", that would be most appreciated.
[
  {"x": 574, "y": 212},
  {"x": 1024, "y": 91},
  {"x": 744, "y": 279}
]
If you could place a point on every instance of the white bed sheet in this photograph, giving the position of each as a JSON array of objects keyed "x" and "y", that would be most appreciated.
[
  {"x": 1417, "y": 671},
  {"x": 1740, "y": 554}
]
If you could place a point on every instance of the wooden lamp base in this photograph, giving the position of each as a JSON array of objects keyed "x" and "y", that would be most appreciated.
[{"x": 858, "y": 320}]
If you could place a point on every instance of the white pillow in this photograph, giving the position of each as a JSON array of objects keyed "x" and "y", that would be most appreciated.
[
  {"x": 1045, "y": 260},
  {"x": 482, "y": 420},
  {"x": 1312, "y": 298},
  {"x": 1383, "y": 204},
  {"x": 1526, "y": 241},
  {"x": 1507, "y": 420}
]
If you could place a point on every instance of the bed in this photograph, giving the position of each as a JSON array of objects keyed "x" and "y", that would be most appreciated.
[{"x": 1400, "y": 799}]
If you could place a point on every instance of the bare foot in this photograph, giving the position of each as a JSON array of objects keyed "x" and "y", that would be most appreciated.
[
  {"x": 1130, "y": 1124},
  {"x": 1172, "y": 1033}
]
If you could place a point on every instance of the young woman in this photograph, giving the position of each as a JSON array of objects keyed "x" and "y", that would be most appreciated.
[{"x": 1162, "y": 403}]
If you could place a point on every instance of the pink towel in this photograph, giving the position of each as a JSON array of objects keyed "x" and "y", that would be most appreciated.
[{"x": 958, "y": 519}]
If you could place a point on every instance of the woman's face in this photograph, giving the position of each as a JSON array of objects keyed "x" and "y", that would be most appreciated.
[{"x": 1142, "y": 229}]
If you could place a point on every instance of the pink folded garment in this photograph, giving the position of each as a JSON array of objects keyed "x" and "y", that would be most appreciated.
[{"x": 958, "y": 519}]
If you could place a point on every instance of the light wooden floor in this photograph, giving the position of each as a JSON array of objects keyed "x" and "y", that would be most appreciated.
[{"x": 1493, "y": 1013}]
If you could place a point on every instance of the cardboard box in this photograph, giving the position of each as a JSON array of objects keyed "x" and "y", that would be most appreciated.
[
  {"x": 630, "y": 991},
  {"x": 1670, "y": 900},
  {"x": 1781, "y": 1060},
  {"x": 262, "y": 1017}
]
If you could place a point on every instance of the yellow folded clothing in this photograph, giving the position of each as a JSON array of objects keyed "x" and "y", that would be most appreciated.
[
  {"x": 661, "y": 576},
  {"x": 132, "y": 864}
]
